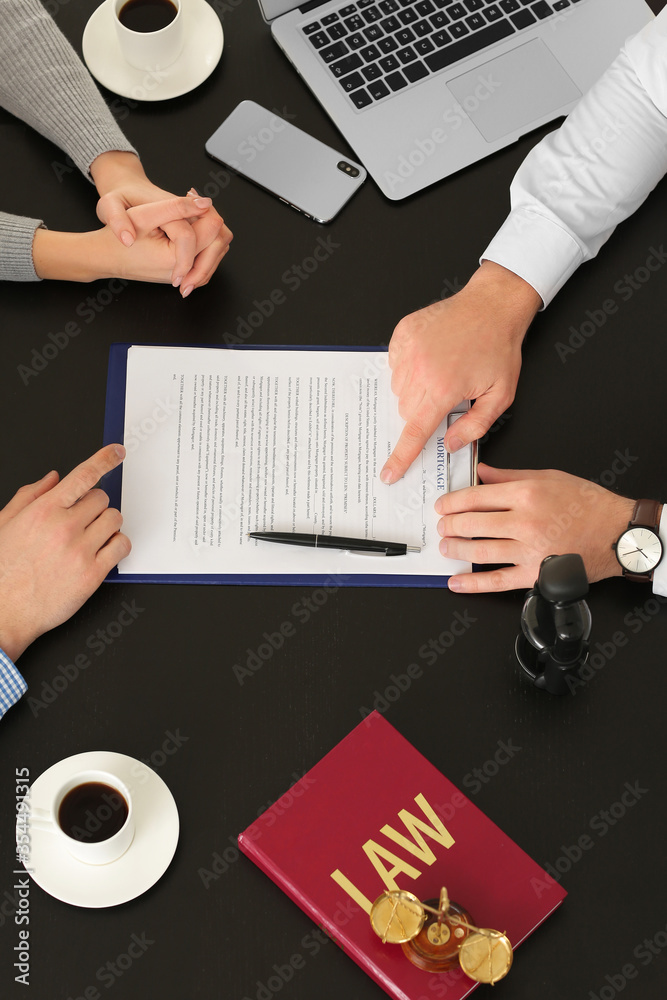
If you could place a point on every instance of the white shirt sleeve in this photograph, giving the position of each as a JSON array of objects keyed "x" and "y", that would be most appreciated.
[
  {"x": 660, "y": 573},
  {"x": 582, "y": 180}
]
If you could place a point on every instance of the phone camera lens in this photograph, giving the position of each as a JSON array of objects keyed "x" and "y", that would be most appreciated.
[{"x": 347, "y": 168}]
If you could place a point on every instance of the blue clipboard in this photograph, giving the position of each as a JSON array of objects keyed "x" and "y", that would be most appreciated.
[{"x": 114, "y": 428}]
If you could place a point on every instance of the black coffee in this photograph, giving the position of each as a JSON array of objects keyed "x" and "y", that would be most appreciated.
[
  {"x": 147, "y": 15},
  {"x": 92, "y": 812}
]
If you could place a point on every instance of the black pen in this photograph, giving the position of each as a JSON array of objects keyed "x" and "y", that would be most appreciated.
[{"x": 371, "y": 546}]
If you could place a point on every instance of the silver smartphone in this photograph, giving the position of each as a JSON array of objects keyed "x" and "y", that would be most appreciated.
[{"x": 285, "y": 161}]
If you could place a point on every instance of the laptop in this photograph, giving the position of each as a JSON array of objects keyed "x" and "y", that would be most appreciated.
[{"x": 422, "y": 88}]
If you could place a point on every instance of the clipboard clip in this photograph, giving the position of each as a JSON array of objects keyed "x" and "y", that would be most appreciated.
[{"x": 452, "y": 416}]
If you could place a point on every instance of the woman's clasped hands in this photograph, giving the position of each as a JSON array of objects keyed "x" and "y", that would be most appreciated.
[{"x": 149, "y": 234}]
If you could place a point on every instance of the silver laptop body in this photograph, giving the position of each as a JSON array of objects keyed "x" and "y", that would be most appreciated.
[{"x": 427, "y": 112}]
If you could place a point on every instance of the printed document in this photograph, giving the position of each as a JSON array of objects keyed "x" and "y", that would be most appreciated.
[{"x": 224, "y": 442}]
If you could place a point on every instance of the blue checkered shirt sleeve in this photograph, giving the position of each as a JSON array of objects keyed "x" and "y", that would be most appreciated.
[{"x": 12, "y": 685}]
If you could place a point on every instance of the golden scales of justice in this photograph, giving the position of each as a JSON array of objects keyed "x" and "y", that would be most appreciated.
[{"x": 439, "y": 933}]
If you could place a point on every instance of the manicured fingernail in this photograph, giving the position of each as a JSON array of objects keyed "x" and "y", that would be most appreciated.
[
  {"x": 203, "y": 202},
  {"x": 454, "y": 444},
  {"x": 126, "y": 238},
  {"x": 186, "y": 291},
  {"x": 442, "y": 547},
  {"x": 436, "y": 506},
  {"x": 387, "y": 476},
  {"x": 120, "y": 450},
  {"x": 454, "y": 584},
  {"x": 176, "y": 282},
  {"x": 194, "y": 192}
]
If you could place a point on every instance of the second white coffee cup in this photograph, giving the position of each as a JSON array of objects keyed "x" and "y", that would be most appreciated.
[
  {"x": 150, "y": 32},
  {"x": 92, "y": 816}
]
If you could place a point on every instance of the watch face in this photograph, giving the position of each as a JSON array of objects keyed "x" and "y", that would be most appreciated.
[{"x": 639, "y": 550}]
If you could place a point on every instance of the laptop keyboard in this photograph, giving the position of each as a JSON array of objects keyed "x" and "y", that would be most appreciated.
[{"x": 377, "y": 47}]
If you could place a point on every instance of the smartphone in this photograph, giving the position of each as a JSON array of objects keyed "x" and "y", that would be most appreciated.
[{"x": 285, "y": 161}]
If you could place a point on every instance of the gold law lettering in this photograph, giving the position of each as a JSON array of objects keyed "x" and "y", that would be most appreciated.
[
  {"x": 376, "y": 851},
  {"x": 352, "y": 891},
  {"x": 437, "y": 832},
  {"x": 418, "y": 847}
]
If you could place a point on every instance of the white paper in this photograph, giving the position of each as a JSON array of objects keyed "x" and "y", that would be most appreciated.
[{"x": 223, "y": 442}]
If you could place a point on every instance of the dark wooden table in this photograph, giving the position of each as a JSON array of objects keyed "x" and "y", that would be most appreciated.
[{"x": 169, "y": 673}]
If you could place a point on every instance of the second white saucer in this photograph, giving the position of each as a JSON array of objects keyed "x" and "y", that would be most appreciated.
[
  {"x": 156, "y": 835},
  {"x": 201, "y": 53}
]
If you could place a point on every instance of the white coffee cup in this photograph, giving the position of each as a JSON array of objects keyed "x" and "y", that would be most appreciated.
[
  {"x": 150, "y": 50},
  {"x": 94, "y": 812}
]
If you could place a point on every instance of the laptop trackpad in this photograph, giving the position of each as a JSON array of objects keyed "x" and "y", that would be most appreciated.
[{"x": 515, "y": 90}]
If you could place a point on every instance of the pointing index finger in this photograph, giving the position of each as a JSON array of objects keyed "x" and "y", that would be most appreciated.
[
  {"x": 409, "y": 445},
  {"x": 86, "y": 475},
  {"x": 413, "y": 438}
]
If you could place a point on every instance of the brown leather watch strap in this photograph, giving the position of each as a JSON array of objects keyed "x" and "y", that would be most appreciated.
[{"x": 646, "y": 514}]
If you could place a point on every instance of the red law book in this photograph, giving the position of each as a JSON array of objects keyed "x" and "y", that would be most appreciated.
[{"x": 375, "y": 814}]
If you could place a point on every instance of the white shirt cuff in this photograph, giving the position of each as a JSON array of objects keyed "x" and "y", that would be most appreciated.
[
  {"x": 660, "y": 574},
  {"x": 537, "y": 249}
]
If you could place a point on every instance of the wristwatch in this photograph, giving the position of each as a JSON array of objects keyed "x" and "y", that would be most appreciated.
[{"x": 639, "y": 549}]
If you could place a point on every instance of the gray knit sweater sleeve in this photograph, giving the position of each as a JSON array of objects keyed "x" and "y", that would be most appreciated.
[
  {"x": 43, "y": 82},
  {"x": 17, "y": 233}
]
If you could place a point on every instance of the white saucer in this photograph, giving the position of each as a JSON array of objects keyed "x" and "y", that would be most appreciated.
[
  {"x": 147, "y": 858},
  {"x": 201, "y": 54}
]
